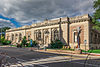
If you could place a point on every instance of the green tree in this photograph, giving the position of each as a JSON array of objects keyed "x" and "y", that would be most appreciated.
[
  {"x": 96, "y": 15},
  {"x": 24, "y": 41},
  {"x": 97, "y": 7},
  {"x": 4, "y": 42},
  {"x": 3, "y": 29},
  {"x": 35, "y": 43},
  {"x": 56, "y": 44}
]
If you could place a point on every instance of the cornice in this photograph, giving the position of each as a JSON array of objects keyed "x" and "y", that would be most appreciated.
[{"x": 56, "y": 21}]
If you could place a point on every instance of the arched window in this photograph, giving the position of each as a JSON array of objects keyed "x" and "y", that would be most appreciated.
[
  {"x": 39, "y": 35},
  {"x": 75, "y": 37},
  {"x": 29, "y": 36},
  {"x": 12, "y": 37},
  {"x": 46, "y": 32},
  {"x": 20, "y": 37},
  {"x": 56, "y": 34},
  {"x": 16, "y": 35},
  {"x": 91, "y": 38},
  {"x": 95, "y": 39}
]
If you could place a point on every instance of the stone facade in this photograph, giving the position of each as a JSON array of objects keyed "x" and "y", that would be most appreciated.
[{"x": 71, "y": 31}]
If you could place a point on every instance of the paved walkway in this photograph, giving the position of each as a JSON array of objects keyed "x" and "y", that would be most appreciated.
[
  {"x": 67, "y": 52},
  {"x": 58, "y": 51}
]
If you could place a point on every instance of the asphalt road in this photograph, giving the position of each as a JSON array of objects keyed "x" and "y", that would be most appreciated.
[{"x": 26, "y": 56}]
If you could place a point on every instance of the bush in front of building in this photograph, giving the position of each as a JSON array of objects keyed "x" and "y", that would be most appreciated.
[
  {"x": 56, "y": 44},
  {"x": 34, "y": 44},
  {"x": 19, "y": 45},
  {"x": 4, "y": 42},
  {"x": 24, "y": 42}
]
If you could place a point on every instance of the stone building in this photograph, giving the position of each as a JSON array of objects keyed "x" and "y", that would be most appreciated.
[{"x": 73, "y": 31}]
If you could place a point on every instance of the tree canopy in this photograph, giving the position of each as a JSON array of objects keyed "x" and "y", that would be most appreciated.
[
  {"x": 96, "y": 16},
  {"x": 3, "y": 29},
  {"x": 97, "y": 7}
]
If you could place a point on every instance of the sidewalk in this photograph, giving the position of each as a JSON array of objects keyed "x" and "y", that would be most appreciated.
[{"x": 67, "y": 52}]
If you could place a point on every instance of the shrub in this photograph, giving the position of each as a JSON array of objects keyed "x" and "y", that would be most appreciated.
[
  {"x": 4, "y": 42},
  {"x": 35, "y": 43},
  {"x": 24, "y": 41},
  {"x": 8, "y": 42},
  {"x": 56, "y": 44}
]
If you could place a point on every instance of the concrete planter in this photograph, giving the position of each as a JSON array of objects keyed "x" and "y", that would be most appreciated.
[{"x": 78, "y": 51}]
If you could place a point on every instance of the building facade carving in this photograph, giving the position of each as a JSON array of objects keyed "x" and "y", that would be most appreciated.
[{"x": 64, "y": 29}]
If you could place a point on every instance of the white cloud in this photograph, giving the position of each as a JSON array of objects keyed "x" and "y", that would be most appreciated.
[
  {"x": 6, "y": 23},
  {"x": 25, "y": 11}
]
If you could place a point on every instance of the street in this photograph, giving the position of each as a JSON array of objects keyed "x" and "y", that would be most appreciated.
[{"x": 40, "y": 59}]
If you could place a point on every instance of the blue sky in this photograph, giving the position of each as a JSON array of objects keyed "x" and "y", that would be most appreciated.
[
  {"x": 12, "y": 20},
  {"x": 17, "y": 13}
]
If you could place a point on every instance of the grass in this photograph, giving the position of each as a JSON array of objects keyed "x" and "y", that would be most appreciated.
[
  {"x": 13, "y": 45},
  {"x": 92, "y": 51}
]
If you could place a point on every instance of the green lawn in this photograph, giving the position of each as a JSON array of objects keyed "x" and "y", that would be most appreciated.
[
  {"x": 92, "y": 51},
  {"x": 13, "y": 45}
]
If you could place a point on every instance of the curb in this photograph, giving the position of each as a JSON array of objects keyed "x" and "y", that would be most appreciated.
[{"x": 92, "y": 54}]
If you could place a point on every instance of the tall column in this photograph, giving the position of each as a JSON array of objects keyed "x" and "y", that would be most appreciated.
[
  {"x": 14, "y": 38},
  {"x": 18, "y": 37},
  {"x": 50, "y": 35},
  {"x": 58, "y": 33},
  {"x": 42, "y": 36},
  {"x": 10, "y": 37}
]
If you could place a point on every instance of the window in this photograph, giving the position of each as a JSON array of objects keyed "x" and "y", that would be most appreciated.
[
  {"x": 91, "y": 38},
  {"x": 39, "y": 35},
  {"x": 16, "y": 34},
  {"x": 12, "y": 37},
  {"x": 75, "y": 37},
  {"x": 20, "y": 37},
  {"x": 29, "y": 37},
  {"x": 95, "y": 38},
  {"x": 56, "y": 36}
]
